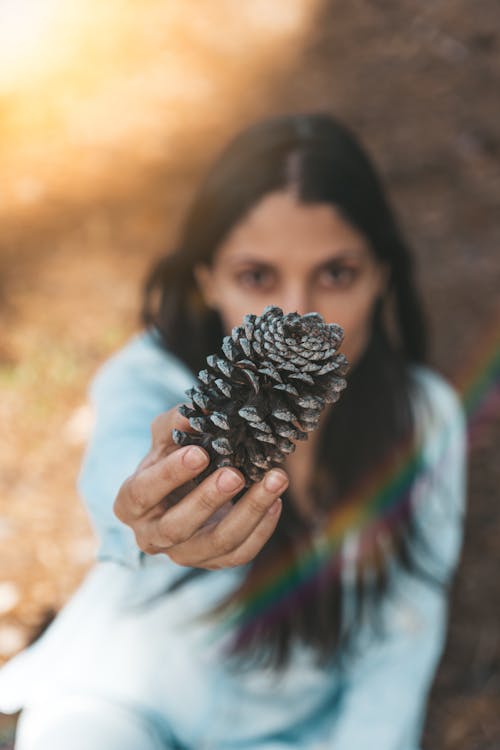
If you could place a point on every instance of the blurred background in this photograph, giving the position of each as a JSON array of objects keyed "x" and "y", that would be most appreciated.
[{"x": 109, "y": 114}]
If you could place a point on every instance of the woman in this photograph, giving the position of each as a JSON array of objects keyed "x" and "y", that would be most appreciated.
[{"x": 312, "y": 612}]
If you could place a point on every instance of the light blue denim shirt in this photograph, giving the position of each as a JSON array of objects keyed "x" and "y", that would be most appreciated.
[{"x": 379, "y": 702}]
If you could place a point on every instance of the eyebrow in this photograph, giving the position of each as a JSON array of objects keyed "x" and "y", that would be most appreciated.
[{"x": 345, "y": 255}]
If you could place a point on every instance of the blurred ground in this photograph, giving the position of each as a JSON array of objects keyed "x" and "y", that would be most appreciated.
[{"x": 102, "y": 140}]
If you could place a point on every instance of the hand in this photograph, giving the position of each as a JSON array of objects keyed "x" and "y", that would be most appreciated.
[{"x": 203, "y": 529}]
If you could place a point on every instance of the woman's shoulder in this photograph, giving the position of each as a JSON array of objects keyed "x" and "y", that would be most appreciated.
[{"x": 142, "y": 360}]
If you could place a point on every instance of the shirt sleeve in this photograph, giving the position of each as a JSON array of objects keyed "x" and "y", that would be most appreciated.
[
  {"x": 127, "y": 393},
  {"x": 387, "y": 686}
]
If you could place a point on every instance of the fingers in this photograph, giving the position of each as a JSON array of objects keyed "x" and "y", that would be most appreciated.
[
  {"x": 179, "y": 523},
  {"x": 202, "y": 529},
  {"x": 253, "y": 544},
  {"x": 234, "y": 539},
  {"x": 148, "y": 486}
]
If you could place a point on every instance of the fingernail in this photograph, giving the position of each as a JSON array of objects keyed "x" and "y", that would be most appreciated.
[
  {"x": 274, "y": 481},
  {"x": 195, "y": 457},
  {"x": 229, "y": 480}
]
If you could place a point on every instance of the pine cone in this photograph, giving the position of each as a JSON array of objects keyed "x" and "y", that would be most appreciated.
[{"x": 264, "y": 390}]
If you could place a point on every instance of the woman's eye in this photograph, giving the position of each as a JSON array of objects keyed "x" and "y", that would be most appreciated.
[
  {"x": 337, "y": 276},
  {"x": 255, "y": 278}
]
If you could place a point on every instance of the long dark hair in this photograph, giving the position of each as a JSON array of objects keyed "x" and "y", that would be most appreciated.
[{"x": 372, "y": 424}]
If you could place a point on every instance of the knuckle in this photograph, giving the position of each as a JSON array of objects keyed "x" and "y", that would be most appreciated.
[
  {"x": 117, "y": 507},
  {"x": 142, "y": 542},
  {"x": 258, "y": 505},
  {"x": 176, "y": 558},
  {"x": 170, "y": 534},
  {"x": 136, "y": 495},
  {"x": 208, "y": 501},
  {"x": 173, "y": 469},
  {"x": 221, "y": 542}
]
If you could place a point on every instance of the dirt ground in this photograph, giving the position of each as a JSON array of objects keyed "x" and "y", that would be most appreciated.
[{"x": 98, "y": 167}]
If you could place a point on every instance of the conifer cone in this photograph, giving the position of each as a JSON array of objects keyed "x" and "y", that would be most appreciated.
[{"x": 264, "y": 390}]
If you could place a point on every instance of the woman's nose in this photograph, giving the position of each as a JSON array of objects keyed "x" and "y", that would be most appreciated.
[{"x": 296, "y": 300}]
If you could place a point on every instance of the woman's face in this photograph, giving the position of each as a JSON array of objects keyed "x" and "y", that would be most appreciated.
[{"x": 301, "y": 257}]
